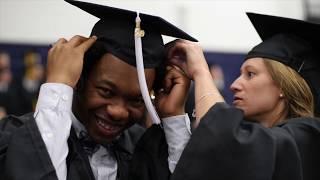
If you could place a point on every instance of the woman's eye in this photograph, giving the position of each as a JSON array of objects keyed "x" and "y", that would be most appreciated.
[{"x": 250, "y": 74}]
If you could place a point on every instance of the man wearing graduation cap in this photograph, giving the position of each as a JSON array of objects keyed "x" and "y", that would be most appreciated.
[
  {"x": 83, "y": 126},
  {"x": 228, "y": 144}
]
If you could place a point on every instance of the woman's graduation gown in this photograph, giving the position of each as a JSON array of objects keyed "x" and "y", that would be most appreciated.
[{"x": 225, "y": 147}]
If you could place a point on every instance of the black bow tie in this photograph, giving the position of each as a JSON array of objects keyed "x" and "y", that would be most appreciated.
[{"x": 88, "y": 145}]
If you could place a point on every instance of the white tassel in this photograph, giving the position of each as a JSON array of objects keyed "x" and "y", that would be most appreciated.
[{"x": 138, "y": 33}]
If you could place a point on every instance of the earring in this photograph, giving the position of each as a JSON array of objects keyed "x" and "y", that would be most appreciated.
[{"x": 281, "y": 95}]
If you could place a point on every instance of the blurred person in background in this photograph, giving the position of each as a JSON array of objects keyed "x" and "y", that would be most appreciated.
[
  {"x": 32, "y": 79},
  {"x": 217, "y": 74},
  {"x": 18, "y": 94},
  {"x": 12, "y": 98},
  {"x": 5, "y": 81}
]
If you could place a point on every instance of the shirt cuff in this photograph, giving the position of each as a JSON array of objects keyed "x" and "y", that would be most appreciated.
[
  {"x": 55, "y": 95},
  {"x": 177, "y": 132}
]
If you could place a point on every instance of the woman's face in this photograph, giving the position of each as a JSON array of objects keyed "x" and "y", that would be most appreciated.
[{"x": 257, "y": 94}]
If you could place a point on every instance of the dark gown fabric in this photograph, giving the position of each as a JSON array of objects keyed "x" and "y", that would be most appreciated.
[
  {"x": 226, "y": 147},
  {"x": 23, "y": 154},
  {"x": 222, "y": 147},
  {"x": 150, "y": 159}
]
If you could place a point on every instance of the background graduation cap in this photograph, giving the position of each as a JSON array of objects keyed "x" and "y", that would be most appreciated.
[
  {"x": 292, "y": 42},
  {"x": 116, "y": 27}
]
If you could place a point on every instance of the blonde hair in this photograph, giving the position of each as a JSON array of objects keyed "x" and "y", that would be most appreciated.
[{"x": 298, "y": 96}]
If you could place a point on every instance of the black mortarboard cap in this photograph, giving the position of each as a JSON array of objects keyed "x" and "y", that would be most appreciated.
[
  {"x": 292, "y": 42},
  {"x": 116, "y": 28}
]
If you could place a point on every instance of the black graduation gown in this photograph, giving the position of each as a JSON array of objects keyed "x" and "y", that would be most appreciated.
[
  {"x": 224, "y": 147},
  {"x": 23, "y": 154},
  {"x": 150, "y": 159}
]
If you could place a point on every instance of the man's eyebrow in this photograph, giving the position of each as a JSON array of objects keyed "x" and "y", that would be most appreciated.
[
  {"x": 114, "y": 86},
  {"x": 107, "y": 82}
]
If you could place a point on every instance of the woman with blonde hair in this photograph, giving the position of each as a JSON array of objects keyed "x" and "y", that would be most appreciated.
[
  {"x": 270, "y": 92},
  {"x": 271, "y": 132},
  {"x": 296, "y": 92}
]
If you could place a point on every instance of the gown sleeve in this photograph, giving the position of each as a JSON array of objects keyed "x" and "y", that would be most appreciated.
[
  {"x": 23, "y": 154},
  {"x": 226, "y": 147}
]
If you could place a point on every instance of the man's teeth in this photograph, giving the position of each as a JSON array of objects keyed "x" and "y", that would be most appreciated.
[{"x": 106, "y": 126}]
